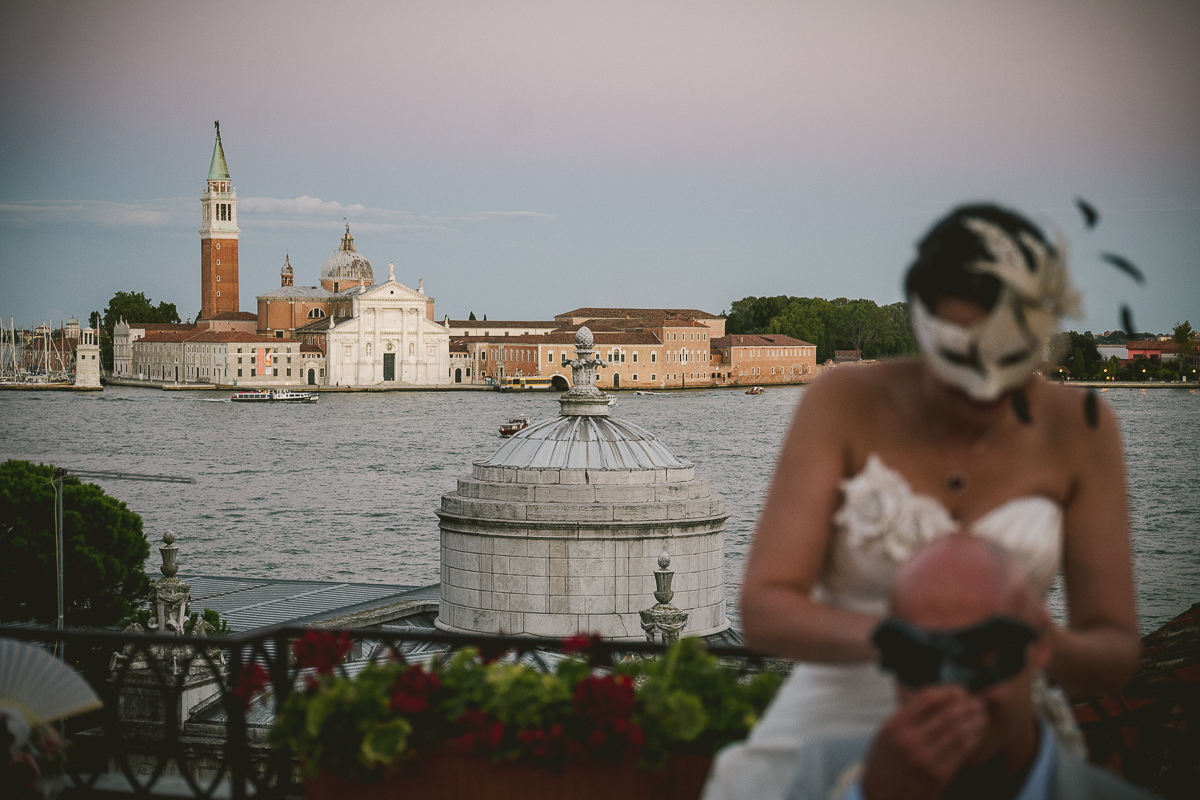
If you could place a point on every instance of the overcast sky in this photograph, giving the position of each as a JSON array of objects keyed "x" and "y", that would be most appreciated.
[{"x": 526, "y": 158}]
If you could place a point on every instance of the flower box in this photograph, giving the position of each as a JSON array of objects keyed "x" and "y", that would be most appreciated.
[
  {"x": 497, "y": 726},
  {"x": 452, "y": 775}
]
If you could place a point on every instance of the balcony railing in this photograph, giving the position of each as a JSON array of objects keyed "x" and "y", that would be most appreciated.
[{"x": 174, "y": 725}]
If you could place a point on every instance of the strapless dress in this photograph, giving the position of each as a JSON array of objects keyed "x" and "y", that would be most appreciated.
[{"x": 880, "y": 523}]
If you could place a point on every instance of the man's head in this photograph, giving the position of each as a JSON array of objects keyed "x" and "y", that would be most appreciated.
[{"x": 964, "y": 593}]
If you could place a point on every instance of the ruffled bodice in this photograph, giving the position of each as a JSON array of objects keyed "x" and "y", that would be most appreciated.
[{"x": 882, "y": 521}]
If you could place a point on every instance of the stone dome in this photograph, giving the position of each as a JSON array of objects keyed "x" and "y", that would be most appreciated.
[
  {"x": 347, "y": 264},
  {"x": 560, "y": 529},
  {"x": 584, "y": 442}
]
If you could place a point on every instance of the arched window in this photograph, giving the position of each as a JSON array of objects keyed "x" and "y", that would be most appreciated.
[{"x": 316, "y": 313}]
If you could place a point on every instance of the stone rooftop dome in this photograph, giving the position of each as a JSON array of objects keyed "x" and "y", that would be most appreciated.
[
  {"x": 559, "y": 530},
  {"x": 347, "y": 264}
]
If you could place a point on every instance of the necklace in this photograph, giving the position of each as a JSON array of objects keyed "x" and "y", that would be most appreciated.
[{"x": 957, "y": 475}]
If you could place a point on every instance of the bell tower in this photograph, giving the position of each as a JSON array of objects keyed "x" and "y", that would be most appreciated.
[{"x": 218, "y": 239}]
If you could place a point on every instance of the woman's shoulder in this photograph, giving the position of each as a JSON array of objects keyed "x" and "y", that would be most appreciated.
[
  {"x": 1077, "y": 420},
  {"x": 864, "y": 381}
]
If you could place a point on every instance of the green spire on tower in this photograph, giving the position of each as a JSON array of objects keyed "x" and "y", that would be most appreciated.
[{"x": 218, "y": 170}]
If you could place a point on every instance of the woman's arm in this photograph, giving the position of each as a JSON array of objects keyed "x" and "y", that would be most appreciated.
[
  {"x": 1098, "y": 650},
  {"x": 792, "y": 537}
]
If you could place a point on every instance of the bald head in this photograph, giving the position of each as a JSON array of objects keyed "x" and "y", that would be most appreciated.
[{"x": 958, "y": 580}]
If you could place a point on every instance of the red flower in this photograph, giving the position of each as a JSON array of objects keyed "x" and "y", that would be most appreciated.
[
  {"x": 412, "y": 690},
  {"x": 606, "y": 697},
  {"x": 321, "y": 650},
  {"x": 252, "y": 681}
]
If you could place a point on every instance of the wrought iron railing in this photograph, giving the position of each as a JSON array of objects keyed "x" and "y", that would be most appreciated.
[{"x": 175, "y": 723}]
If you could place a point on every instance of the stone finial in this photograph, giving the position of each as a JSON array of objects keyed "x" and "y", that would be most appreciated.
[
  {"x": 584, "y": 399},
  {"x": 391, "y": 271},
  {"x": 169, "y": 555},
  {"x": 663, "y": 622}
]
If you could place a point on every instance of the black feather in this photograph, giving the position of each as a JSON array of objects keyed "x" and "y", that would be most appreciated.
[
  {"x": 1021, "y": 407},
  {"x": 1090, "y": 215},
  {"x": 1127, "y": 320},
  {"x": 1089, "y": 409},
  {"x": 1125, "y": 266}
]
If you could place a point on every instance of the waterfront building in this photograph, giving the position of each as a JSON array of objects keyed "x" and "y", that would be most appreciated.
[
  {"x": 389, "y": 338},
  {"x": 758, "y": 360},
  {"x": 624, "y": 317},
  {"x": 472, "y": 327},
  {"x": 200, "y": 355},
  {"x": 560, "y": 530}
]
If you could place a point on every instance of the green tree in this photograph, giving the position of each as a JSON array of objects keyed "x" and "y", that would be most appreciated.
[
  {"x": 131, "y": 307},
  {"x": 472, "y": 317},
  {"x": 840, "y": 324},
  {"x": 104, "y": 550},
  {"x": 1184, "y": 339}
]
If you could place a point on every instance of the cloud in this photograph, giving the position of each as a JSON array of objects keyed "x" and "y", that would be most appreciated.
[
  {"x": 156, "y": 214},
  {"x": 266, "y": 212},
  {"x": 282, "y": 211}
]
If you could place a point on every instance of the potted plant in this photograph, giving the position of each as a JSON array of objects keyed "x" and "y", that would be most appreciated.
[{"x": 470, "y": 723}]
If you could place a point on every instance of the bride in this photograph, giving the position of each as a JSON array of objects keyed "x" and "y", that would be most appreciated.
[{"x": 882, "y": 458}]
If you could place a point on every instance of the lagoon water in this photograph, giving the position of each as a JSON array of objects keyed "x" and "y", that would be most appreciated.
[{"x": 346, "y": 489}]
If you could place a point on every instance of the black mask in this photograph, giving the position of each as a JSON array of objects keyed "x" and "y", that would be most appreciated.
[{"x": 987, "y": 653}]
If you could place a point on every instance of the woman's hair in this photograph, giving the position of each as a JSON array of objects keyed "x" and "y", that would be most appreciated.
[{"x": 946, "y": 253}]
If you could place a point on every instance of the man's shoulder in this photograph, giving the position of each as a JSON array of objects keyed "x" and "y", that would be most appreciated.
[
  {"x": 1075, "y": 778},
  {"x": 829, "y": 764}
]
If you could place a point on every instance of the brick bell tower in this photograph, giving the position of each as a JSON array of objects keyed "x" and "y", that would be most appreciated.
[{"x": 218, "y": 239}]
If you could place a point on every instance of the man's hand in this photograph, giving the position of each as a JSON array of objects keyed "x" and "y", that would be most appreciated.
[{"x": 919, "y": 749}]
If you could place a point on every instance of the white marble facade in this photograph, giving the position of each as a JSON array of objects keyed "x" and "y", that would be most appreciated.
[{"x": 389, "y": 340}]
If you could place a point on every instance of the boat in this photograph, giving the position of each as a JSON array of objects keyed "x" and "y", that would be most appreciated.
[
  {"x": 654, "y": 394},
  {"x": 274, "y": 396},
  {"x": 513, "y": 425},
  {"x": 755, "y": 390}
]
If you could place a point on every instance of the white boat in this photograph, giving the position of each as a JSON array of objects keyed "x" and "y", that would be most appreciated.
[
  {"x": 654, "y": 394},
  {"x": 274, "y": 396},
  {"x": 513, "y": 425}
]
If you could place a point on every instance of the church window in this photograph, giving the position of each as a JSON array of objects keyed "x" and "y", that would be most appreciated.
[
  {"x": 316, "y": 313},
  {"x": 278, "y": 334},
  {"x": 218, "y": 264},
  {"x": 218, "y": 294},
  {"x": 218, "y": 245}
]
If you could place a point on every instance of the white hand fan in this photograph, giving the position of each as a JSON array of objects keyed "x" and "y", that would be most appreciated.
[{"x": 35, "y": 681}]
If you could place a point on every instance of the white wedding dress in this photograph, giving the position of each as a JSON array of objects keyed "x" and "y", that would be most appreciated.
[{"x": 881, "y": 522}]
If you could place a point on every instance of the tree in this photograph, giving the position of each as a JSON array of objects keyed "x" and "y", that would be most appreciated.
[
  {"x": 472, "y": 317},
  {"x": 1183, "y": 338},
  {"x": 131, "y": 307},
  {"x": 831, "y": 325},
  {"x": 104, "y": 550}
]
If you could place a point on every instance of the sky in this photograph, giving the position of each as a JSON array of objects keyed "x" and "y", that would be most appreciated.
[{"x": 526, "y": 158}]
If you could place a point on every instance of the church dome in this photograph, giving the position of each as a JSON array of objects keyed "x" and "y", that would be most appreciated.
[{"x": 347, "y": 264}]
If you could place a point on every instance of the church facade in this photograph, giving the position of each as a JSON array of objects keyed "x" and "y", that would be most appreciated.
[{"x": 389, "y": 339}]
